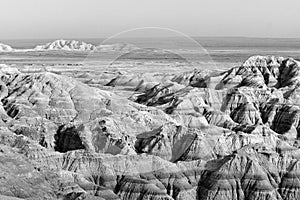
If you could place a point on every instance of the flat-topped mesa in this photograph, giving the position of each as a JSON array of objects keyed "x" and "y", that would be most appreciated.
[{"x": 67, "y": 45}]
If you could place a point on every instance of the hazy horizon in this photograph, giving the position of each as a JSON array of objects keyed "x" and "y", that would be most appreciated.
[
  {"x": 136, "y": 37},
  {"x": 44, "y": 19}
]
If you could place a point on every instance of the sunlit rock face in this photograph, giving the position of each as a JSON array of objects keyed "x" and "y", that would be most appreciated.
[
  {"x": 196, "y": 135},
  {"x": 66, "y": 45},
  {"x": 5, "y": 48}
]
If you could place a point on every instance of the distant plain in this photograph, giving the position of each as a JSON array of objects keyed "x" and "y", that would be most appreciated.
[{"x": 215, "y": 52}]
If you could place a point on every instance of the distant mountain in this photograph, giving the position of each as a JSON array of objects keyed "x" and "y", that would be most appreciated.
[
  {"x": 73, "y": 45},
  {"x": 67, "y": 45},
  {"x": 5, "y": 48}
]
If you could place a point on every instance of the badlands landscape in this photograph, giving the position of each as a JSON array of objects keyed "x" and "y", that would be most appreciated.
[{"x": 151, "y": 124}]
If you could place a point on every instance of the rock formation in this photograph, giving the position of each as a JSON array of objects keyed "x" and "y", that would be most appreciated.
[
  {"x": 67, "y": 45},
  {"x": 5, "y": 48},
  {"x": 203, "y": 135}
]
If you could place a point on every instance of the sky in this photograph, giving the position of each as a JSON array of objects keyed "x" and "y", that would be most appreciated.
[{"x": 43, "y": 19}]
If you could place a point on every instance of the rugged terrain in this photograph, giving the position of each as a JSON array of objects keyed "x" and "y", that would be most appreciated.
[{"x": 201, "y": 134}]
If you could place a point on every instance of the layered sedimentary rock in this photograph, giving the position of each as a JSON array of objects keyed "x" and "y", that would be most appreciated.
[
  {"x": 197, "y": 135},
  {"x": 67, "y": 45}
]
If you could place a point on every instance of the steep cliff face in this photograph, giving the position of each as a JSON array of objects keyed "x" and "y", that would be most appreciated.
[
  {"x": 263, "y": 90},
  {"x": 261, "y": 71},
  {"x": 198, "y": 135}
]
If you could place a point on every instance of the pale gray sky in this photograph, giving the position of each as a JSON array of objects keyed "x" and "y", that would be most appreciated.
[{"x": 98, "y": 18}]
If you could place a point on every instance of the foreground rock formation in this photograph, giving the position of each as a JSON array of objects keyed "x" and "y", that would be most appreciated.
[{"x": 197, "y": 135}]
